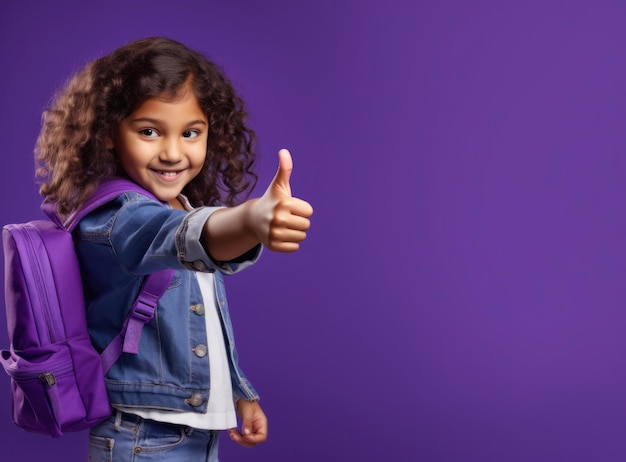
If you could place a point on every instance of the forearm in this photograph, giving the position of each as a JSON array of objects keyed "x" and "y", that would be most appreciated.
[{"x": 228, "y": 233}]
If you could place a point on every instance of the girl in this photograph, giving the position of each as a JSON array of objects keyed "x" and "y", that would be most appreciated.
[{"x": 164, "y": 116}]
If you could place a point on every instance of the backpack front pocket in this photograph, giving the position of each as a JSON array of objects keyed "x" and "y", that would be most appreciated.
[{"x": 39, "y": 384}]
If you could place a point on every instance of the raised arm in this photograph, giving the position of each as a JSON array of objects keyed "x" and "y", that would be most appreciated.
[{"x": 277, "y": 220}]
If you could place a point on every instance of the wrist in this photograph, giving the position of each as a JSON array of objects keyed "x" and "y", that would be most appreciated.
[{"x": 251, "y": 219}]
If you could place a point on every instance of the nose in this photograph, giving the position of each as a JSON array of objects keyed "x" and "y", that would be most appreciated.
[{"x": 171, "y": 152}]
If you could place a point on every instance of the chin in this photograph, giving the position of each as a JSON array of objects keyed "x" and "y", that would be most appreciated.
[{"x": 166, "y": 197}]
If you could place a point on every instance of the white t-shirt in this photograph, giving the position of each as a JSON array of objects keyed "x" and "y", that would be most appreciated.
[{"x": 220, "y": 413}]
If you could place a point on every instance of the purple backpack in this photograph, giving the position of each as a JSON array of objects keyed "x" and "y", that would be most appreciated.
[{"x": 57, "y": 377}]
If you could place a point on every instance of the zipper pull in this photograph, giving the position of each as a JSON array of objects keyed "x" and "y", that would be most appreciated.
[{"x": 47, "y": 378}]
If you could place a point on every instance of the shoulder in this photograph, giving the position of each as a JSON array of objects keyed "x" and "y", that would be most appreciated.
[{"x": 128, "y": 205}]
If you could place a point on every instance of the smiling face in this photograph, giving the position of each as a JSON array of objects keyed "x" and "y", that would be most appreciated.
[{"x": 162, "y": 145}]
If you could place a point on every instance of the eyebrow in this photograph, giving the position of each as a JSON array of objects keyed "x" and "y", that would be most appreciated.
[{"x": 157, "y": 122}]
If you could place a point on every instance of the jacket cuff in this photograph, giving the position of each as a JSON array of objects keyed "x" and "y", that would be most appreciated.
[{"x": 191, "y": 253}]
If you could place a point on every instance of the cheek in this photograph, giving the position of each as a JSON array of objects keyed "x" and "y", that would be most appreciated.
[
  {"x": 133, "y": 158},
  {"x": 198, "y": 157},
  {"x": 137, "y": 151}
]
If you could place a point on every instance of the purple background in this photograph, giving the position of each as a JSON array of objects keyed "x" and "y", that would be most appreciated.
[{"x": 461, "y": 294}]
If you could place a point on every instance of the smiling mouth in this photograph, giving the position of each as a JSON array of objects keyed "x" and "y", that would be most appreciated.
[{"x": 168, "y": 174}]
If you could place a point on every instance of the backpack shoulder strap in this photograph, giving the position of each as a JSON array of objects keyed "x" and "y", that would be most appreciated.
[
  {"x": 142, "y": 311},
  {"x": 153, "y": 287},
  {"x": 105, "y": 192}
]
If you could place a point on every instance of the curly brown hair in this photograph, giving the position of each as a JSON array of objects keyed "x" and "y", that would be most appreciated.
[{"x": 71, "y": 153}]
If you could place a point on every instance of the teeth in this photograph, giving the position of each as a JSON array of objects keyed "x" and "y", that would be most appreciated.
[{"x": 168, "y": 173}]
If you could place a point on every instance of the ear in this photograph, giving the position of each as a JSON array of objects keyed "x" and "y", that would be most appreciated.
[{"x": 110, "y": 144}]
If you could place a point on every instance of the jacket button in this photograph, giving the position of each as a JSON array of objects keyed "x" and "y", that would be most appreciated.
[
  {"x": 200, "y": 350},
  {"x": 194, "y": 400},
  {"x": 198, "y": 309}
]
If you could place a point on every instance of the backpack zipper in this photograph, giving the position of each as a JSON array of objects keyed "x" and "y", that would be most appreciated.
[
  {"x": 44, "y": 295},
  {"x": 48, "y": 378}
]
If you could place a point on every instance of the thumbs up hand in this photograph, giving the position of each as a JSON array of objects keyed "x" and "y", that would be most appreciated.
[
  {"x": 277, "y": 220},
  {"x": 280, "y": 220}
]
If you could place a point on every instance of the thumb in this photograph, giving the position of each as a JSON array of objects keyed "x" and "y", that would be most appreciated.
[
  {"x": 285, "y": 166},
  {"x": 246, "y": 425}
]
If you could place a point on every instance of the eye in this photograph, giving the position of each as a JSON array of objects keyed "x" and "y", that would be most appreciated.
[
  {"x": 149, "y": 132},
  {"x": 191, "y": 134}
]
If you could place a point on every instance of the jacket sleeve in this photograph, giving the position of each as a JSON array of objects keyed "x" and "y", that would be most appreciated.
[
  {"x": 192, "y": 254},
  {"x": 145, "y": 236}
]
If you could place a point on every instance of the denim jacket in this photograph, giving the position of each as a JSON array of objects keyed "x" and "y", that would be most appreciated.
[{"x": 117, "y": 246}]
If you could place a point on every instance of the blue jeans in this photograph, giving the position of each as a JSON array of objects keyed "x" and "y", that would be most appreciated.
[{"x": 128, "y": 438}]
